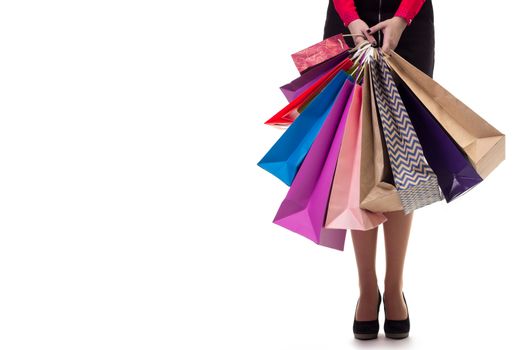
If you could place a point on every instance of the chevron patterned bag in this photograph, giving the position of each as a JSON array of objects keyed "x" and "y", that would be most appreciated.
[
  {"x": 415, "y": 181},
  {"x": 378, "y": 192}
]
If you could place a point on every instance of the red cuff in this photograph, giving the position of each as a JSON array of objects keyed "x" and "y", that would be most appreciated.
[
  {"x": 346, "y": 10},
  {"x": 350, "y": 19},
  {"x": 408, "y": 9},
  {"x": 405, "y": 16}
]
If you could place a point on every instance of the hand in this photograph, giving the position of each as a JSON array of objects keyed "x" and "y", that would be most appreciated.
[
  {"x": 359, "y": 27},
  {"x": 392, "y": 29}
]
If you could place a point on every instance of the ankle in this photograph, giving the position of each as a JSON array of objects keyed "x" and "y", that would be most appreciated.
[
  {"x": 391, "y": 288},
  {"x": 368, "y": 289}
]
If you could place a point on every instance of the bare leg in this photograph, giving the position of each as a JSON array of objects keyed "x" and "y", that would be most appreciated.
[
  {"x": 365, "y": 244},
  {"x": 397, "y": 232}
]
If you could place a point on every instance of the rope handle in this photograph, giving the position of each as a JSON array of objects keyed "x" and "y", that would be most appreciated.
[{"x": 362, "y": 54}]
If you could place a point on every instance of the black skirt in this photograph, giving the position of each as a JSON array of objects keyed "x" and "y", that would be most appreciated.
[{"x": 417, "y": 42}]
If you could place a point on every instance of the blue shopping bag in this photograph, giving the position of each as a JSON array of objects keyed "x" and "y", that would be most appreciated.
[{"x": 287, "y": 154}]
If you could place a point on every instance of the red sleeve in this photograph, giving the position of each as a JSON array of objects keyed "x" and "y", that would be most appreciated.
[
  {"x": 408, "y": 9},
  {"x": 346, "y": 10}
]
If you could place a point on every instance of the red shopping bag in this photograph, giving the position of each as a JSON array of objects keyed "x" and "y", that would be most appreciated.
[{"x": 289, "y": 113}]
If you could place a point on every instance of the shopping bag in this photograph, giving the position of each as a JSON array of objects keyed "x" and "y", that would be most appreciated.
[
  {"x": 343, "y": 208},
  {"x": 415, "y": 181},
  {"x": 296, "y": 87},
  {"x": 286, "y": 155},
  {"x": 378, "y": 192},
  {"x": 454, "y": 172},
  {"x": 483, "y": 143},
  {"x": 315, "y": 54},
  {"x": 290, "y": 112},
  {"x": 303, "y": 210}
]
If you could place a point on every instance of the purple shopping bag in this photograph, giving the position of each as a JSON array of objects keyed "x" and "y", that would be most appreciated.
[
  {"x": 304, "y": 208},
  {"x": 454, "y": 172},
  {"x": 303, "y": 82}
]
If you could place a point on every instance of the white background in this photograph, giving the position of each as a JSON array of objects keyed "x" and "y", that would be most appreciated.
[{"x": 133, "y": 214}]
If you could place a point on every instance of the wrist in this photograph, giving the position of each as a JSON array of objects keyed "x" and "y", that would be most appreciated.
[
  {"x": 402, "y": 21},
  {"x": 355, "y": 26},
  {"x": 353, "y": 20}
]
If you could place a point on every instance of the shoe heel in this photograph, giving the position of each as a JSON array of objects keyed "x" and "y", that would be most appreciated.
[
  {"x": 366, "y": 330},
  {"x": 397, "y": 329}
]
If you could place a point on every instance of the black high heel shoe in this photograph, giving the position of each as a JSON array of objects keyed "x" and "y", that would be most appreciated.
[
  {"x": 397, "y": 329},
  {"x": 365, "y": 330}
]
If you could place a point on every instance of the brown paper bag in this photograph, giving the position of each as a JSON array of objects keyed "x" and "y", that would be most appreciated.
[
  {"x": 483, "y": 144},
  {"x": 377, "y": 190}
]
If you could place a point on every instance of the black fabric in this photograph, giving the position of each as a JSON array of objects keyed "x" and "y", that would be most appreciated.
[
  {"x": 371, "y": 326},
  {"x": 398, "y": 326},
  {"x": 417, "y": 42}
]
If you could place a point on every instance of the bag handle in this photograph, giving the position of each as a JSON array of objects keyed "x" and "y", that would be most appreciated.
[{"x": 362, "y": 54}]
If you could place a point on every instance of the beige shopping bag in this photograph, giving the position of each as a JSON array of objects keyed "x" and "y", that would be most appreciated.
[
  {"x": 377, "y": 190},
  {"x": 483, "y": 144}
]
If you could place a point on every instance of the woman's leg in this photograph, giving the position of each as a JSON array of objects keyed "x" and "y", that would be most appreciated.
[
  {"x": 396, "y": 231},
  {"x": 365, "y": 244}
]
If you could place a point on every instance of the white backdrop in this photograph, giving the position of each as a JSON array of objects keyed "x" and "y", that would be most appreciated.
[{"x": 133, "y": 214}]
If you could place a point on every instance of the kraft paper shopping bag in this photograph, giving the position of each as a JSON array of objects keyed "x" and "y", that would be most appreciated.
[
  {"x": 454, "y": 172},
  {"x": 483, "y": 143}
]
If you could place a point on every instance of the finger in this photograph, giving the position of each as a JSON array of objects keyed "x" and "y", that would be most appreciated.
[
  {"x": 358, "y": 40},
  {"x": 357, "y": 37},
  {"x": 386, "y": 48},
  {"x": 376, "y": 28},
  {"x": 386, "y": 42},
  {"x": 370, "y": 38}
]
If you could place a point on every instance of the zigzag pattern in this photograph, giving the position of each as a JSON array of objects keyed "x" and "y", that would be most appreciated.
[{"x": 415, "y": 181}]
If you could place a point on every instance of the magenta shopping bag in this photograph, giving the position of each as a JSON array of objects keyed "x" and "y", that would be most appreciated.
[{"x": 304, "y": 208}]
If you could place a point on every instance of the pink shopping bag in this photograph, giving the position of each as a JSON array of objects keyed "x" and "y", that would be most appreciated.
[{"x": 343, "y": 207}]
